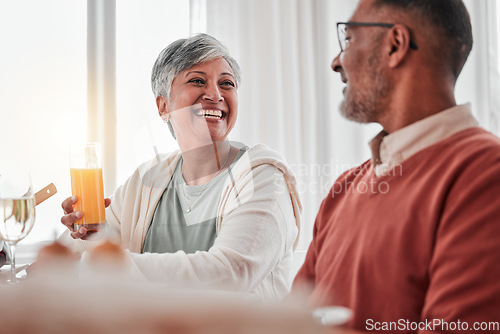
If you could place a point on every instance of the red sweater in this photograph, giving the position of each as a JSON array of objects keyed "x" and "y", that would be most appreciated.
[{"x": 420, "y": 243}]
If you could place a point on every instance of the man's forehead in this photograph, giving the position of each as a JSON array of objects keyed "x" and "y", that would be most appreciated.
[{"x": 364, "y": 10}]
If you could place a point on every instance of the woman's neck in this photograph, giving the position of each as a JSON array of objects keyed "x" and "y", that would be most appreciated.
[{"x": 202, "y": 164}]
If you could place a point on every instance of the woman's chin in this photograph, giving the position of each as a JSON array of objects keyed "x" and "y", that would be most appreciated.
[
  {"x": 206, "y": 139},
  {"x": 216, "y": 138},
  {"x": 217, "y": 132}
]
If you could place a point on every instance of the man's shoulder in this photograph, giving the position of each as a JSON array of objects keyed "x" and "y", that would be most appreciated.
[
  {"x": 353, "y": 172},
  {"x": 346, "y": 179},
  {"x": 474, "y": 139},
  {"x": 474, "y": 146}
]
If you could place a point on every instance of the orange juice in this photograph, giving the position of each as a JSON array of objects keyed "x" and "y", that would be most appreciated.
[{"x": 86, "y": 184}]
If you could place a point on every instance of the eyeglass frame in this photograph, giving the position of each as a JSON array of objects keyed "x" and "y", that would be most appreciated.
[{"x": 413, "y": 45}]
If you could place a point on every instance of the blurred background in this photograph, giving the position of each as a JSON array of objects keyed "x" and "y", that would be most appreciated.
[{"x": 79, "y": 70}]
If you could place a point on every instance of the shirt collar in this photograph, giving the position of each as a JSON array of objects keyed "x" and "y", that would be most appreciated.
[{"x": 388, "y": 150}]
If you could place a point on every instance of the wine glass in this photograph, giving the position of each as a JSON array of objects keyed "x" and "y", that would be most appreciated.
[{"x": 17, "y": 210}]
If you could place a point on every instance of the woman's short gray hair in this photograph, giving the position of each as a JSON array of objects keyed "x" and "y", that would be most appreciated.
[{"x": 182, "y": 55}]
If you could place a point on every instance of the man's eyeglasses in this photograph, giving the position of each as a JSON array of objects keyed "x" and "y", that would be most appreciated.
[{"x": 344, "y": 40}]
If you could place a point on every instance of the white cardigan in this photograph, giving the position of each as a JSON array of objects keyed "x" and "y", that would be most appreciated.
[{"x": 258, "y": 219}]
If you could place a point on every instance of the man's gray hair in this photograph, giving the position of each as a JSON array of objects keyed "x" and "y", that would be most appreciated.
[
  {"x": 447, "y": 21},
  {"x": 182, "y": 55}
]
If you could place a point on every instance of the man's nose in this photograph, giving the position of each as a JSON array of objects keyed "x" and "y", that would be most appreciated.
[
  {"x": 336, "y": 64},
  {"x": 212, "y": 94}
]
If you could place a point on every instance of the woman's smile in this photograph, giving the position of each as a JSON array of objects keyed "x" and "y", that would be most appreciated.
[
  {"x": 210, "y": 114},
  {"x": 204, "y": 103}
]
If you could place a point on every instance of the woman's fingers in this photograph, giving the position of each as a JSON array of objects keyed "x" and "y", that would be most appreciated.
[
  {"x": 67, "y": 204},
  {"x": 82, "y": 233},
  {"x": 79, "y": 234},
  {"x": 70, "y": 219}
]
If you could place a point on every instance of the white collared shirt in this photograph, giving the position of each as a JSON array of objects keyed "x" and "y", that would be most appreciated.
[{"x": 389, "y": 150}]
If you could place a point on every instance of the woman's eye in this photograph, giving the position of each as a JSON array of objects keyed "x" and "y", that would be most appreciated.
[
  {"x": 197, "y": 81},
  {"x": 228, "y": 83}
]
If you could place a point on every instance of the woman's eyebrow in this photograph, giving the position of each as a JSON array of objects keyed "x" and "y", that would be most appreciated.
[
  {"x": 199, "y": 72},
  {"x": 226, "y": 73}
]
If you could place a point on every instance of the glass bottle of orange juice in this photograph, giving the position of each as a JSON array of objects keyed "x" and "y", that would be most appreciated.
[{"x": 87, "y": 185}]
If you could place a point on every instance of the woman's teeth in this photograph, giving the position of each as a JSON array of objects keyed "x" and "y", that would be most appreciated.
[{"x": 211, "y": 114}]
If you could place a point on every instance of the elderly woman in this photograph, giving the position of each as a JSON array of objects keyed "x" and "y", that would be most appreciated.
[{"x": 214, "y": 214}]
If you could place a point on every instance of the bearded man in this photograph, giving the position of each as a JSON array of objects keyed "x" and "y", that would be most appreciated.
[{"x": 424, "y": 248}]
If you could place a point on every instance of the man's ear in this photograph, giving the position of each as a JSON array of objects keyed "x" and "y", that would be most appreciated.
[
  {"x": 398, "y": 45},
  {"x": 163, "y": 111}
]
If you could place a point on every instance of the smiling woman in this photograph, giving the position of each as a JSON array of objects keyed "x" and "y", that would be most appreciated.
[
  {"x": 208, "y": 91},
  {"x": 215, "y": 213}
]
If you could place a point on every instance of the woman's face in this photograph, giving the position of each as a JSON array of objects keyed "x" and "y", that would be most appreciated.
[{"x": 203, "y": 104}]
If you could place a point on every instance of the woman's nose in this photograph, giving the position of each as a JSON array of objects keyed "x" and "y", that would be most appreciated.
[{"x": 212, "y": 94}]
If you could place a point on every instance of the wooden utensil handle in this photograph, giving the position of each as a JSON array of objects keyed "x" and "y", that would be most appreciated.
[{"x": 45, "y": 193}]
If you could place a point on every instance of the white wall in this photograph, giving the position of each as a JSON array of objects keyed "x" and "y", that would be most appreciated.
[
  {"x": 144, "y": 28},
  {"x": 43, "y": 94}
]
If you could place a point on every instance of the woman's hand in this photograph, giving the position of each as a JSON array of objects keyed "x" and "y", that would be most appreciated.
[{"x": 71, "y": 217}]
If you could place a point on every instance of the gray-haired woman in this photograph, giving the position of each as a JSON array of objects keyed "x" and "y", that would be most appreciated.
[{"x": 214, "y": 213}]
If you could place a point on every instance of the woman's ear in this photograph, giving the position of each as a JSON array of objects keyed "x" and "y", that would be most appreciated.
[{"x": 161, "y": 103}]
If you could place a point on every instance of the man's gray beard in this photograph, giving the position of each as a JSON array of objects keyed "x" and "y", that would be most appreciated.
[{"x": 366, "y": 106}]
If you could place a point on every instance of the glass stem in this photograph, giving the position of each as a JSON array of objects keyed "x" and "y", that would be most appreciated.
[{"x": 13, "y": 277}]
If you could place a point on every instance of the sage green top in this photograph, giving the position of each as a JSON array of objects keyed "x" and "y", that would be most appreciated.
[{"x": 173, "y": 228}]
